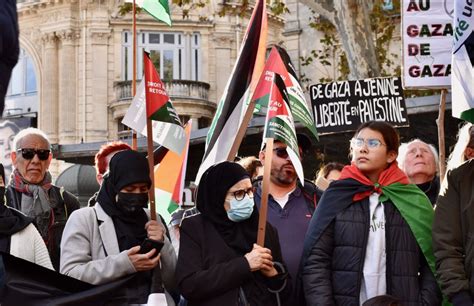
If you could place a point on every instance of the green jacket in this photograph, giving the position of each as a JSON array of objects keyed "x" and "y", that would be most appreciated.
[{"x": 453, "y": 234}]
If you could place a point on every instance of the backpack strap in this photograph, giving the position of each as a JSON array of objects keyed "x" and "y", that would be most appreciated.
[
  {"x": 166, "y": 227},
  {"x": 311, "y": 193}
]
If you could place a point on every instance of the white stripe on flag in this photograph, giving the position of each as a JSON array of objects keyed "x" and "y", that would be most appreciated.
[
  {"x": 221, "y": 148},
  {"x": 462, "y": 83}
]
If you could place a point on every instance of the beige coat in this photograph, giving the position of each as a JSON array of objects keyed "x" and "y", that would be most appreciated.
[{"x": 90, "y": 250}]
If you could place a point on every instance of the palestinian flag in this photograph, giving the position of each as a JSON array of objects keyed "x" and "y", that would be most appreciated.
[
  {"x": 299, "y": 107},
  {"x": 158, "y": 9},
  {"x": 279, "y": 62},
  {"x": 279, "y": 123},
  {"x": 169, "y": 177},
  {"x": 158, "y": 104},
  {"x": 169, "y": 135},
  {"x": 238, "y": 91},
  {"x": 462, "y": 79}
]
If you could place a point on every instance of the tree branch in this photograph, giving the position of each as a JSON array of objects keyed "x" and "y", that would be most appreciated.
[{"x": 325, "y": 8}]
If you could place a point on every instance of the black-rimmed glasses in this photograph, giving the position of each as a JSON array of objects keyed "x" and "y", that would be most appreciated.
[
  {"x": 240, "y": 194},
  {"x": 28, "y": 154}
]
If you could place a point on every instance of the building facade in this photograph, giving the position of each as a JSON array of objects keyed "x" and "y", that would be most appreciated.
[{"x": 76, "y": 64}]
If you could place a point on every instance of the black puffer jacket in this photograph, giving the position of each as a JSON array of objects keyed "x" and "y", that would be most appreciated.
[{"x": 333, "y": 271}]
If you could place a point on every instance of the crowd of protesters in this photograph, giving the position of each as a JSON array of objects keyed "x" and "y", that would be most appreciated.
[{"x": 382, "y": 230}]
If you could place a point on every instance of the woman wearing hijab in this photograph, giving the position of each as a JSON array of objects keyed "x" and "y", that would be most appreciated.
[
  {"x": 371, "y": 232},
  {"x": 219, "y": 262},
  {"x": 101, "y": 244},
  {"x": 18, "y": 236}
]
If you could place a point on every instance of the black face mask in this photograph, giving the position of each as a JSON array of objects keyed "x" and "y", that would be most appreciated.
[
  {"x": 131, "y": 203},
  {"x": 2, "y": 195}
]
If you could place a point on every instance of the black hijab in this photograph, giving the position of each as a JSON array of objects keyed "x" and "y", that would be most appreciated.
[
  {"x": 11, "y": 220},
  {"x": 212, "y": 190},
  {"x": 125, "y": 168}
]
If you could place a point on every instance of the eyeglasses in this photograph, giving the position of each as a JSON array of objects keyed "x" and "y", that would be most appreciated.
[
  {"x": 281, "y": 152},
  {"x": 28, "y": 154},
  {"x": 240, "y": 194},
  {"x": 371, "y": 143}
]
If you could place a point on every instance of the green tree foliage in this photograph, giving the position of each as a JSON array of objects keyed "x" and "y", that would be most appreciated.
[
  {"x": 238, "y": 8},
  {"x": 383, "y": 24}
]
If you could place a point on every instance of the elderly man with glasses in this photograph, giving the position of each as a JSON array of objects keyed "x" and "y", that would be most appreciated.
[
  {"x": 31, "y": 191},
  {"x": 290, "y": 204}
]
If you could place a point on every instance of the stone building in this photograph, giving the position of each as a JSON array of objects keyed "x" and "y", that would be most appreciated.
[{"x": 75, "y": 69}]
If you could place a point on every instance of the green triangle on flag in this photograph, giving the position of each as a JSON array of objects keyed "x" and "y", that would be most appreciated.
[
  {"x": 158, "y": 104},
  {"x": 158, "y": 9},
  {"x": 297, "y": 102}
]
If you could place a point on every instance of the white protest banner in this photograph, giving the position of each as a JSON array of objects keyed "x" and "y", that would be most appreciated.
[{"x": 427, "y": 34}]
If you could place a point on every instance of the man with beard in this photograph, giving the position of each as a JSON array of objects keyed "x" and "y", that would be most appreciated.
[{"x": 290, "y": 204}]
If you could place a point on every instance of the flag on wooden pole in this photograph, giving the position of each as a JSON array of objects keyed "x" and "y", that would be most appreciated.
[
  {"x": 238, "y": 91},
  {"x": 167, "y": 131},
  {"x": 279, "y": 126},
  {"x": 279, "y": 123},
  {"x": 170, "y": 174},
  {"x": 279, "y": 62}
]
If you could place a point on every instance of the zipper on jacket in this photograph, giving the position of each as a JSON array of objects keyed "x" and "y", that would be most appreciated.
[
  {"x": 364, "y": 248},
  {"x": 388, "y": 275}
]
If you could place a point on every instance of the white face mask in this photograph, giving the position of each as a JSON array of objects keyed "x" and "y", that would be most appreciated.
[{"x": 240, "y": 210}]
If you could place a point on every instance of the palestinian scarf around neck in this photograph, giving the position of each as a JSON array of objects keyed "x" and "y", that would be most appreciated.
[
  {"x": 393, "y": 184},
  {"x": 212, "y": 191},
  {"x": 389, "y": 176},
  {"x": 21, "y": 185},
  {"x": 125, "y": 168},
  {"x": 35, "y": 202}
]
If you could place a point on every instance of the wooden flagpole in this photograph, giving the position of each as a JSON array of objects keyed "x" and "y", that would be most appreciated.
[
  {"x": 151, "y": 165},
  {"x": 134, "y": 70},
  {"x": 262, "y": 219},
  {"x": 241, "y": 132},
  {"x": 441, "y": 140}
]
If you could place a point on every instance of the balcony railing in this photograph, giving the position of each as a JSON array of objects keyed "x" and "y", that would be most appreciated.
[{"x": 181, "y": 89}]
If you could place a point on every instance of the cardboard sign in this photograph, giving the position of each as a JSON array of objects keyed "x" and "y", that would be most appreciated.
[
  {"x": 343, "y": 106},
  {"x": 427, "y": 34}
]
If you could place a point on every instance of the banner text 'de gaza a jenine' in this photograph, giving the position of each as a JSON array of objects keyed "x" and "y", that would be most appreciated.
[{"x": 343, "y": 106}]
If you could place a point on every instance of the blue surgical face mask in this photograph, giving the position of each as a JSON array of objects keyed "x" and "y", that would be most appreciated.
[{"x": 240, "y": 210}]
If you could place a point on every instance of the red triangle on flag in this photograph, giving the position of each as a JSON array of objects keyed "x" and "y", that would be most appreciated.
[{"x": 156, "y": 96}]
